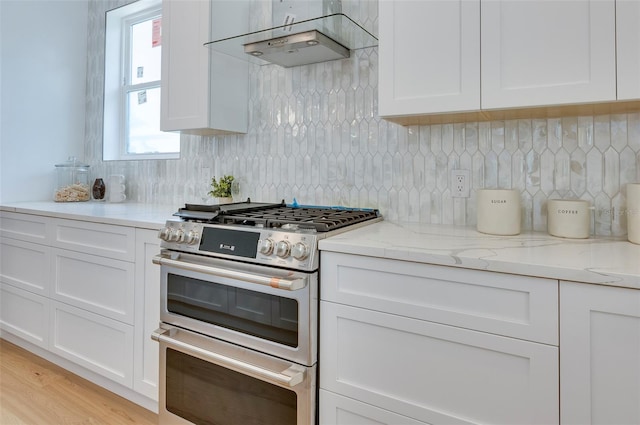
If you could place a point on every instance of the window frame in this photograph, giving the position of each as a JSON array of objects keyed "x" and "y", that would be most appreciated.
[{"x": 118, "y": 24}]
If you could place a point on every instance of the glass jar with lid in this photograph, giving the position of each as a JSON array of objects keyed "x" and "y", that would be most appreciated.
[{"x": 72, "y": 182}]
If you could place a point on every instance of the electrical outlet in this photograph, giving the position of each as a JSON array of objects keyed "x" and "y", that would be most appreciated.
[{"x": 460, "y": 182}]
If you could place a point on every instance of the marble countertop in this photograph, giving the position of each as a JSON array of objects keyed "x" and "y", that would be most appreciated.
[
  {"x": 146, "y": 216},
  {"x": 600, "y": 260}
]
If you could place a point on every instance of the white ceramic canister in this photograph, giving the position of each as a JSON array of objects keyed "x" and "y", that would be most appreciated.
[
  {"x": 568, "y": 218},
  {"x": 499, "y": 211},
  {"x": 633, "y": 212},
  {"x": 116, "y": 188}
]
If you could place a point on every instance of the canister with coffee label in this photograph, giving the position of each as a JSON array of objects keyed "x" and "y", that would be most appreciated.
[{"x": 568, "y": 218}]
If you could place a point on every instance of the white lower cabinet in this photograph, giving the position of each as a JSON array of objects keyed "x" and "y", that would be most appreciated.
[
  {"x": 403, "y": 342},
  {"x": 25, "y": 265},
  {"x": 24, "y": 314},
  {"x": 436, "y": 373},
  {"x": 146, "y": 354},
  {"x": 599, "y": 354},
  {"x": 101, "y": 285},
  {"x": 100, "y": 344},
  {"x": 336, "y": 409},
  {"x": 87, "y": 295}
]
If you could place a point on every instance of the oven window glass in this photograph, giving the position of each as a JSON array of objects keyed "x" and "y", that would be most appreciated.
[
  {"x": 205, "y": 393},
  {"x": 263, "y": 315}
]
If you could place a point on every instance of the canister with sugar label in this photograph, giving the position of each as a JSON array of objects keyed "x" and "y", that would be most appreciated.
[{"x": 499, "y": 211}]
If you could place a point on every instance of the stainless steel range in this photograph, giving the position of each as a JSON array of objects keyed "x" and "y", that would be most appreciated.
[{"x": 239, "y": 311}]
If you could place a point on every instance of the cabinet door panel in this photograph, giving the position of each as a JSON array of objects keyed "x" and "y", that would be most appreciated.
[
  {"x": 429, "y": 56},
  {"x": 26, "y": 227},
  {"x": 26, "y": 265},
  {"x": 628, "y": 48},
  {"x": 600, "y": 354},
  {"x": 518, "y": 306},
  {"x": 338, "y": 410},
  {"x": 100, "y": 344},
  {"x": 98, "y": 239},
  {"x": 547, "y": 52},
  {"x": 147, "y": 314},
  {"x": 24, "y": 314},
  {"x": 97, "y": 284},
  {"x": 436, "y": 373}
]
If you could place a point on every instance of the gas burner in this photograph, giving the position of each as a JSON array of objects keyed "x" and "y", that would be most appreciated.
[{"x": 277, "y": 216}]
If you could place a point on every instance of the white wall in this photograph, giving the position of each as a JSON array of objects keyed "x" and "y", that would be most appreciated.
[{"x": 43, "y": 46}]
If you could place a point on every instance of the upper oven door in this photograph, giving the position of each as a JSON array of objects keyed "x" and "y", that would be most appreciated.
[{"x": 266, "y": 309}]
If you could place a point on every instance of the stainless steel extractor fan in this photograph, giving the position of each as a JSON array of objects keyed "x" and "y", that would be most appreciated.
[
  {"x": 298, "y": 32},
  {"x": 298, "y": 49}
]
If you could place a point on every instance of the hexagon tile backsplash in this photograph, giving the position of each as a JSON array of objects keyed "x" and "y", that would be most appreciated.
[{"x": 315, "y": 136}]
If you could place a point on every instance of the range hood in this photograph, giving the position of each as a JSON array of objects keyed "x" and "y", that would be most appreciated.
[{"x": 298, "y": 42}]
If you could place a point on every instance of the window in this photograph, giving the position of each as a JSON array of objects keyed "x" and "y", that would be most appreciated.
[{"x": 132, "y": 85}]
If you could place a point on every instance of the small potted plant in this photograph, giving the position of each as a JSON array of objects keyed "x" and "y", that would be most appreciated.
[{"x": 221, "y": 189}]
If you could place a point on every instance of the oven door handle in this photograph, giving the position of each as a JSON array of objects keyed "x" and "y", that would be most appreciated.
[
  {"x": 273, "y": 281},
  {"x": 289, "y": 377}
]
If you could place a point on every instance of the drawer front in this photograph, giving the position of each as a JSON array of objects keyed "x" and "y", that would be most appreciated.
[
  {"x": 24, "y": 314},
  {"x": 117, "y": 242},
  {"x": 26, "y": 265},
  {"x": 436, "y": 373},
  {"x": 26, "y": 227},
  {"x": 338, "y": 410},
  {"x": 95, "y": 342},
  {"x": 511, "y": 305},
  {"x": 100, "y": 285}
]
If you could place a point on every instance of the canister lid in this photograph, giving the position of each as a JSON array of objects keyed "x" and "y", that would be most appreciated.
[{"x": 73, "y": 162}]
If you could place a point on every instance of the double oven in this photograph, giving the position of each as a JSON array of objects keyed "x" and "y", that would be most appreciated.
[{"x": 239, "y": 312}]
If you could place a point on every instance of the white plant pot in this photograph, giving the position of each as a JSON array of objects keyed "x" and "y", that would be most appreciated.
[{"x": 225, "y": 200}]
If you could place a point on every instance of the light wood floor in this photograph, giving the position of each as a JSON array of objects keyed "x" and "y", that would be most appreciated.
[{"x": 34, "y": 391}]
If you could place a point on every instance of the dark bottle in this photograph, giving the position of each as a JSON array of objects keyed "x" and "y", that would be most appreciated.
[{"x": 98, "y": 189}]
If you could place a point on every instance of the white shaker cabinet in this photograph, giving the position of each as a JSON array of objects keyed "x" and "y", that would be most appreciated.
[
  {"x": 203, "y": 91},
  {"x": 147, "y": 314},
  {"x": 85, "y": 296},
  {"x": 92, "y": 293},
  {"x": 25, "y": 276},
  {"x": 429, "y": 56},
  {"x": 599, "y": 354},
  {"x": 408, "y": 343},
  {"x": 537, "y": 53},
  {"x": 628, "y": 48}
]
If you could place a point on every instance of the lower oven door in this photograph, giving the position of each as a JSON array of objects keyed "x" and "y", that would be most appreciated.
[{"x": 207, "y": 381}]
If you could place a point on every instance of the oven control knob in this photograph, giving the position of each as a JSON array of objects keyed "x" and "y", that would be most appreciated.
[
  {"x": 192, "y": 238},
  {"x": 179, "y": 236},
  {"x": 164, "y": 233},
  {"x": 172, "y": 235},
  {"x": 265, "y": 246},
  {"x": 300, "y": 251},
  {"x": 283, "y": 248}
]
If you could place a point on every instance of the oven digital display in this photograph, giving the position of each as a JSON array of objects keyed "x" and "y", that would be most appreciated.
[{"x": 230, "y": 242}]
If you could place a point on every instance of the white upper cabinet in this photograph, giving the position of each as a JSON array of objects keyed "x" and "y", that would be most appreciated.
[
  {"x": 429, "y": 56},
  {"x": 203, "y": 91},
  {"x": 537, "y": 53},
  {"x": 478, "y": 59},
  {"x": 628, "y": 48}
]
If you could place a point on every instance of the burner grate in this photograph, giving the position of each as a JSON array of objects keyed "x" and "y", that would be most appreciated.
[{"x": 320, "y": 219}]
